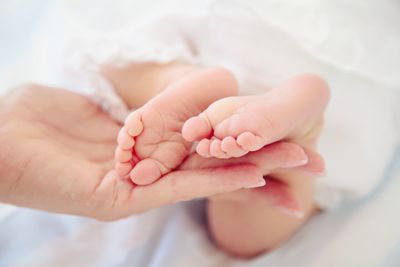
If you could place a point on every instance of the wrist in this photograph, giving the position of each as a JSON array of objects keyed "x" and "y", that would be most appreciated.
[{"x": 7, "y": 174}]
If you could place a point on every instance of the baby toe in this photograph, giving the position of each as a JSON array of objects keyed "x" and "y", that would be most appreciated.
[
  {"x": 122, "y": 155},
  {"x": 216, "y": 150},
  {"x": 134, "y": 124},
  {"x": 145, "y": 172},
  {"x": 196, "y": 128},
  {"x": 203, "y": 148},
  {"x": 124, "y": 140},
  {"x": 230, "y": 147},
  {"x": 248, "y": 141},
  {"x": 123, "y": 168}
]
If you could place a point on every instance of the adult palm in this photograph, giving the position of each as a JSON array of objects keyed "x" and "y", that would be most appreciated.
[
  {"x": 56, "y": 147},
  {"x": 57, "y": 155}
]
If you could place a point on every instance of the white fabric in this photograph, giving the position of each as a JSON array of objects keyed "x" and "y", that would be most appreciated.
[
  {"x": 356, "y": 235},
  {"x": 362, "y": 234}
]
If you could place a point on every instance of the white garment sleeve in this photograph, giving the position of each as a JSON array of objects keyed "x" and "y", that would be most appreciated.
[{"x": 161, "y": 40}]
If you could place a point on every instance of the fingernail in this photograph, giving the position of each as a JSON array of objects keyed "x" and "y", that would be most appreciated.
[
  {"x": 318, "y": 174},
  {"x": 298, "y": 163},
  {"x": 292, "y": 213},
  {"x": 260, "y": 183}
]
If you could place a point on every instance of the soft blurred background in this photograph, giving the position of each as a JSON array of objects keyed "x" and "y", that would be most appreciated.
[
  {"x": 364, "y": 233},
  {"x": 20, "y": 47}
]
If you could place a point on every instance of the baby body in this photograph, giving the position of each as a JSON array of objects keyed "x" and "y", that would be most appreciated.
[
  {"x": 200, "y": 104},
  {"x": 263, "y": 48}
]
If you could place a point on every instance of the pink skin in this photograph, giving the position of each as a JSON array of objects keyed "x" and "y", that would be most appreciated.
[
  {"x": 40, "y": 123},
  {"x": 150, "y": 144},
  {"x": 198, "y": 177},
  {"x": 234, "y": 126},
  {"x": 271, "y": 159},
  {"x": 231, "y": 127}
]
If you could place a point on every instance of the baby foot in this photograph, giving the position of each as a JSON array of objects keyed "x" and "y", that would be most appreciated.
[
  {"x": 238, "y": 125},
  {"x": 151, "y": 144}
]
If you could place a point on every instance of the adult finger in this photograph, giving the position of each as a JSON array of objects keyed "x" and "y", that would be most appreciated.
[
  {"x": 191, "y": 184},
  {"x": 315, "y": 164},
  {"x": 271, "y": 157}
]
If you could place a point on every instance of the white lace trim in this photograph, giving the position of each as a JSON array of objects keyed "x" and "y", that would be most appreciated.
[
  {"x": 154, "y": 41},
  {"x": 104, "y": 51},
  {"x": 104, "y": 95},
  {"x": 160, "y": 41}
]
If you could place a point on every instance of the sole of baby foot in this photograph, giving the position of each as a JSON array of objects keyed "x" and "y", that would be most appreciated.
[
  {"x": 123, "y": 153},
  {"x": 142, "y": 144},
  {"x": 153, "y": 132},
  {"x": 291, "y": 111},
  {"x": 201, "y": 126}
]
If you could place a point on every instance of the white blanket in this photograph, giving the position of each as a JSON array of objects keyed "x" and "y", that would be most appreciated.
[{"x": 364, "y": 233}]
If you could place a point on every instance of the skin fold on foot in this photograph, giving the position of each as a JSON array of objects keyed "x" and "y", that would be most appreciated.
[
  {"x": 150, "y": 143},
  {"x": 234, "y": 126}
]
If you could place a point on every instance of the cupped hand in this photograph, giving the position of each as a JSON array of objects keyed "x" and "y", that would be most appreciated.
[
  {"x": 57, "y": 152},
  {"x": 278, "y": 163},
  {"x": 56, "y": 148}
]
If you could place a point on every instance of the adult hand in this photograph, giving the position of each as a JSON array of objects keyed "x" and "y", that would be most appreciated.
[
  {"x": 278, "y": 163},
  {"x": 57, "y": 152}
]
